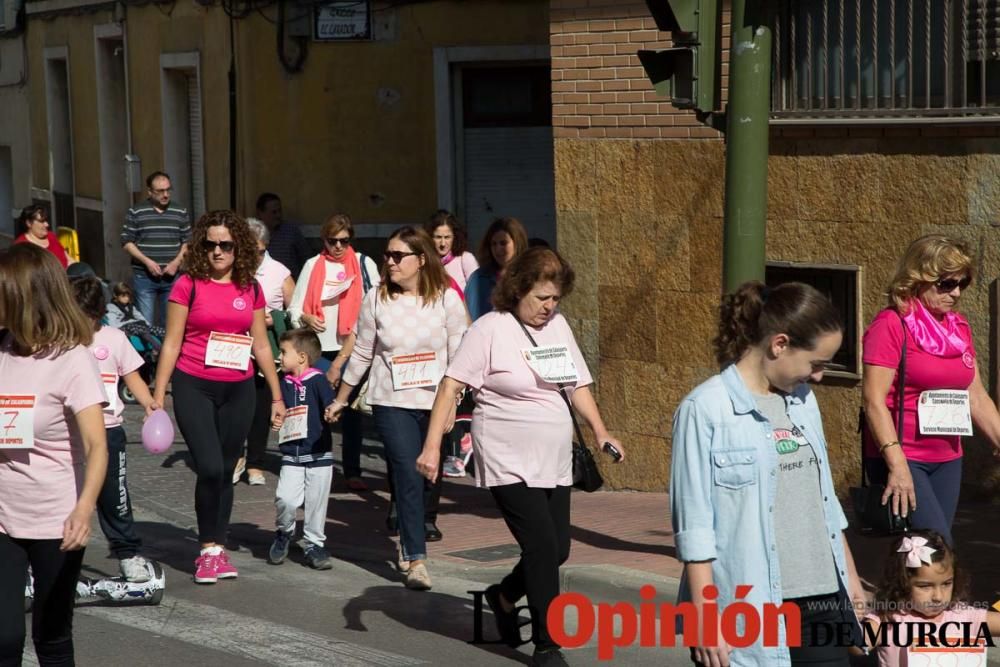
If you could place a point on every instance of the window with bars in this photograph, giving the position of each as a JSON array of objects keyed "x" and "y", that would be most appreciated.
[{"x": 887, "y": 58}]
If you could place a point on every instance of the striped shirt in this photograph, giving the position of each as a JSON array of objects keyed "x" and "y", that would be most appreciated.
[{"x": 158, "y": 235}]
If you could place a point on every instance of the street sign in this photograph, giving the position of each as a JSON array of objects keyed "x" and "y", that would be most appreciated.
[{"x": 342, "y": 21}]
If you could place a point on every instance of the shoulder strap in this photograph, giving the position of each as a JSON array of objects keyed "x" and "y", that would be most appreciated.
[
  {"x": 900, "y": 392},
  {"x": 366, "y": 281},
  {"x": 561, "y": 385}
]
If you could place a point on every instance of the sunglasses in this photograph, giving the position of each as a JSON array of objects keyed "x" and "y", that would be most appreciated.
[
  {"x": 397, "y": 256},
  {"x": 261, "y": 253},
  {"x": 946, "y": 285},
  {"x": 224, "y": 246},
  {"x": 333, "y": 242}
]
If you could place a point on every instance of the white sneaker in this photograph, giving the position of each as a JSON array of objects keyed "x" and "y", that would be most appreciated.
[{"x": 136, "y": 569}]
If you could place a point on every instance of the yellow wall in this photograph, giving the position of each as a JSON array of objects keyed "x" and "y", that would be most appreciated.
[{"x": 648, "y": 252}]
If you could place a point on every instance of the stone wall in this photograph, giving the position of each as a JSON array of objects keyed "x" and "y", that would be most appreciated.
[{"x": 641, "y": 221}]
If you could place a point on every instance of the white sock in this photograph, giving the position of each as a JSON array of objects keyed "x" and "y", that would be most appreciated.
[{"x": 214, "y": 551}]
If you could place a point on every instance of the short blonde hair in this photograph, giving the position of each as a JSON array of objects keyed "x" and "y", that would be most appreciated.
[{"x": 927, "y": 260}]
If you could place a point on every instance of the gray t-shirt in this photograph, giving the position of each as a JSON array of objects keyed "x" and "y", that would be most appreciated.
[{"x": 804, "y": 555}]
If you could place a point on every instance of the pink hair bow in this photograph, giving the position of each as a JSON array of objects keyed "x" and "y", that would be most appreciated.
[{"x": 916, "y": 550}]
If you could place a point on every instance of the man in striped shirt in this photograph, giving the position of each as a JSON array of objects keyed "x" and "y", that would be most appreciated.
[{"x": 156, "y": 234}]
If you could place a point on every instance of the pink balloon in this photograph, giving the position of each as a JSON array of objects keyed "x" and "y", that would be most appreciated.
[{"x": 157, "y": 432}]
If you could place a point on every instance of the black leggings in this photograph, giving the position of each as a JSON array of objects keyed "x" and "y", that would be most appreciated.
[
  {"x": 539, "y": 521},
  {"x": 260, "y": 427},
  {"x": 213, "y": 418},
  {"x": 55, "y": 575}
]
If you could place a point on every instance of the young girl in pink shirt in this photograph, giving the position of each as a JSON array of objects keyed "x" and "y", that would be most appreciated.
[
  {"x": 924, "y": 587},
  {"x": 53, "y": 454}
]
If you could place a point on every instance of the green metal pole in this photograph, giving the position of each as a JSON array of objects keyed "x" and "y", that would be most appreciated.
[{"x": 746, "y": 143}]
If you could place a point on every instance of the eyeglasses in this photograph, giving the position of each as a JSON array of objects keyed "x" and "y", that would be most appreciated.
[
  {"x": 397, "y": 256},
  {"x": 335, "y": 242},
  {"x": 946, "y": 285},
  {"x": 161, "y": 191},
  {"x": 224, "y": 246},
  {"x": 41, "y": 221}
]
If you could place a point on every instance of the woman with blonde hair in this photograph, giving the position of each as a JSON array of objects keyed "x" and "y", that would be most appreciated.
[
  {"x": 408, "y": 333},
  {"x": 53, "y": 454},
  {"x": 921, "y": 466},
  {"x": 215, "y": 320},
  {"x": 327, "y": 299}
]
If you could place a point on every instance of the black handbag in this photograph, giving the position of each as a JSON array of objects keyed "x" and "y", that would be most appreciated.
[
  {"x": 874, "y": 517},
  {"x": 586, "y": 475}
]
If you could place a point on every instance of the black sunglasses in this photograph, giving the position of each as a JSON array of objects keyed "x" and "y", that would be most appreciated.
[
  {"x": 397, "y": 256},
  {"x": 332, "y": 242},
  {"x": 946, "y": 285},
  {"x": 224, "y": 246}
]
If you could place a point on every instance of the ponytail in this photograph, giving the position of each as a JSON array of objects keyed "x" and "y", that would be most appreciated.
[{"x": 755, "y": 312}]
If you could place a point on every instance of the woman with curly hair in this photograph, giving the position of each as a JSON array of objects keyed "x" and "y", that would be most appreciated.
[
  {"x": 924, "y": 462},
  {"x": 215, "y": 319}
]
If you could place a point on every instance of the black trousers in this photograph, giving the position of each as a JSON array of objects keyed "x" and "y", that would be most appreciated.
[
  {"x": 350, "y": 428},
  {"x": 539, "y": 521},
  {"x": 818, "y": 650},
  {"x": 114, "y": 505},
  {"x": 212, "y": 417},
  {"x": 55, "y": 574},
  {"x": 260, "y": 425}
]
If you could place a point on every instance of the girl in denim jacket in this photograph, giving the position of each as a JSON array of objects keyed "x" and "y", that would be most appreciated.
[{"x": 752, "y": 500}]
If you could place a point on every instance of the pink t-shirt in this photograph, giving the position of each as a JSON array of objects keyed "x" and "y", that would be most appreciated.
[
  {"x": 883, "y": 345},
  {"x": 115, "y": 358},
  {"x": 521, "y": 428},
  {"x": 271, "y": 276},
  {"x": 39, "y": 486},
  {"x": 460, "y": 268},
  {"x": 219, "y": 307},
  {"x": 901, "y": 656}
]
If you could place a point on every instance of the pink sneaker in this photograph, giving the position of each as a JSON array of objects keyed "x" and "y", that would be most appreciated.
[
  {"x": 206, "y": 569},
  {"x": 225, "y": 569}
]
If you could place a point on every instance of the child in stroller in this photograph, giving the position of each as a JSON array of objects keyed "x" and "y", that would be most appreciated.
[{"x": 145, "y": 338}]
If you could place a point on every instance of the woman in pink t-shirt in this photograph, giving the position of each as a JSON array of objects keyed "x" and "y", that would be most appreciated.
[
  {"x": 53, "y": 453},
  {"x": 943, "y": 394},
  {"x": 206, "y": 358},
  {"x": 451, "y": 244},
  {"x": 516, "y": 359}
]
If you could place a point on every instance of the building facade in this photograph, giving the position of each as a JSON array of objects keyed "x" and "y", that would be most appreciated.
[{"x": 863, "y": 158}]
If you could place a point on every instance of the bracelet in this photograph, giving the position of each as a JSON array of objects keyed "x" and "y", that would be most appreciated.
[
  {"x": 894, "y": 443},
  {"x": 277, "y": 400}
]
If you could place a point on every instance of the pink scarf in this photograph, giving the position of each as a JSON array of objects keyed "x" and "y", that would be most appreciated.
[
  {"x": 938, "y": 337},
  {"x": 447, "y": 258}
]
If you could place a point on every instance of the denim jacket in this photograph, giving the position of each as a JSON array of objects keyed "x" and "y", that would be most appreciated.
[{"x": 723, "y": 484}]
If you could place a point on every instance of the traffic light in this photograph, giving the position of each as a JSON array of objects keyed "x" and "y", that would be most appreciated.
[{"x": 689, "y": 73}]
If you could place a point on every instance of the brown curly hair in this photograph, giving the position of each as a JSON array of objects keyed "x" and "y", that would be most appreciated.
[
  {"x": 245, "y": 257},
  {"x": 755, "y": 312},
  {"x": 894, "y": 592},
  {"x": 533, "y": 266}
]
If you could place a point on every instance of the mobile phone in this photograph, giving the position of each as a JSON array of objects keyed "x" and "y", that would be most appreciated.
[{"x": 612, "y": 451}]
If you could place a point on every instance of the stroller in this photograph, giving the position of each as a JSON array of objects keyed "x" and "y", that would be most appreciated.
[{"x": 145, "y": 338}]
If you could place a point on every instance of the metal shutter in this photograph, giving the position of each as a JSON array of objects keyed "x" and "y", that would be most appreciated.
[{"x": 196, "y": 148}]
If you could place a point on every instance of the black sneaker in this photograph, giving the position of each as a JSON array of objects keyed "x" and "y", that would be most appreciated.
[
  {"x": 318, "y": 558},
  {"x": 431, "y": 532},
  {"x": 279, "y": 548},
  {"x": 508, "y": 624},
  {"x": 551, "y": 657}
]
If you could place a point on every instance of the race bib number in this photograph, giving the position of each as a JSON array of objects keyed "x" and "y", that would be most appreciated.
[
  {"x": 334, "y": 288},
  {"x": 552, "y": 363},
  {"x": 110, "y": 381},
  {"x": 943, "y": 656},
  {"x": 410, "y": 371},
  {"x": 228, "y": 351},
  {"x": 296, "y": 424},
  {"x": 944, "y": 412},
  {"x": 17, "y": 421}
]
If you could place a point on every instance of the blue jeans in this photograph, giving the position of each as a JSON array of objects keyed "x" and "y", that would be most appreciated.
[
  {"x": 402, "y": 431},
  {"x": 936, "y": 486},
  {"x": 151, "y": 293}
]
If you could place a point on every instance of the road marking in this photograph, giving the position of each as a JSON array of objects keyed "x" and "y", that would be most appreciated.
[{"x": 246, "y": 636}]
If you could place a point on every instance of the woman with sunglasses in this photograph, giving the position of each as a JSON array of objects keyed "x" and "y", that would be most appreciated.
[
  {"x": 215, "y": 320},
  {"x": 34, "y": 225},
  {"x": 327, "y": 299},
  {"x": 408, "y": 333},
  {"x": 922, "y": 466}
]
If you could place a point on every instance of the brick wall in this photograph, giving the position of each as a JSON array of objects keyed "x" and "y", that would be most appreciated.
[{"x": 599, "y": 89}]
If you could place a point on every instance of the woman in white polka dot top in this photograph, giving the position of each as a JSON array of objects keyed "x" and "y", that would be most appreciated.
[{"x": 408, "y": 333}]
